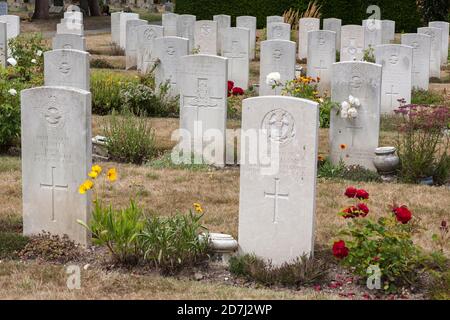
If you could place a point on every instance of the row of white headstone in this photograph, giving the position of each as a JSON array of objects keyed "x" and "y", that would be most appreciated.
[{"x": 71, "y": 23}]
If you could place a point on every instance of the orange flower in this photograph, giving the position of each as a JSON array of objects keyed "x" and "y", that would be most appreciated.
[
  {"x": 320, "y": 158},
  {"x": 343, "y": 146}
]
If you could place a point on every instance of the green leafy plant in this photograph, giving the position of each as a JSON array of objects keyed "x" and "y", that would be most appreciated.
[
  {"x": 302, "y": 271},
  {"x": 341, "y": 171},
  {"x": 130, "y": 138},
  {"x": 11, "y": 244},
  {"x": 423, "y": 143},
  {"x": 171, "y": 243},
  {"x": 369, "y": 54},
  {"x": 420, "y": 96},
  {"x": 101, "y": 64},
  {"x": 303, "y": 87},
  {"x": 325, "y": 107}
]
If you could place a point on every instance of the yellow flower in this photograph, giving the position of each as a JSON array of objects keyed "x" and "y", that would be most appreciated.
[
  {"x": 93, "y": 174},
  {"x": 82, "y": 189},
  {"x": 112, "y": 174},
  {"x": 85, "y": 186},
  {"x": 97, "y": 169},
  {"x": 198, "y": 207}
]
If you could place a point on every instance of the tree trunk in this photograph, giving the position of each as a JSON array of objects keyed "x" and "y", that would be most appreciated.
[
  {"x": 84, "y": 6},
  {"x": 41, "y": 9},
  {"x": 94, "y": 8}
]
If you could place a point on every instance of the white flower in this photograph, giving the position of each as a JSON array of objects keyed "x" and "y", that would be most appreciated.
[
  {"x": 320, "y": 100},
  {"x": 12, "y": 61},
  {"x": 352, "y": 113},
  {"x": 344, "y": 113},
  {"x": 345, "y": 105},
  {"x": 351, "y": 99},
  {"x": 273, "y": 78},
  {"x": 12, "y": 92},
  {"x": 39, "y": 53},
  {"x": 33, "y": 61},
  {"x": 356, "y": 102}
]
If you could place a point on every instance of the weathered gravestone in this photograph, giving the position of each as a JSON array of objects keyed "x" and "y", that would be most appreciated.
[
  {"x": 13, "y": 23},
  {"x": 74, "y": 16},
  {"x": 421, "y": 44},
  {"x": 387, "y": 31},
  {"x": 124, "y": 17},
  {"x": 353, "y": 140},
  {"x": 131, "y": 44},
  {"x": 146, "y": 35},
  {"x": 436, "y": 45},
  {"x": 223, "y": 22},
  {"x": 69, "y": 41},
  {"x": 70, "y": 27},
  {"x": 169, "y": 50},
  {"x": 3, "y": 8},
  {"x": 185, "y": 28},
  {"x": 444, "y": 26},
  {"x": 68, "y": 68},
  {"x": 272, "y": 19},
  {"x": 249, "y": 22},
  {"x": 373, "y": 33},
  {"x": 205, "y": 37},
  {"x": 306, "y": 25},
  {"x": 352, "y": 43},
  {"x": 202, "y": 83},
  {"x": 279, "y": 31},
  {"x": 396, "y": 60},
  {"x": 321, "y": 56},
  {"x": 115, "y": 27},
  {"x": 169, "y": 23},
  {"x": 277, "y": 197},
  {"x": 333, "y": 24},
  {"x": 236, "y": 47},
  {"x": 3, "y": 44},
  {"x": 56, "y": 158},
  {"x": 276, "y": 56}
]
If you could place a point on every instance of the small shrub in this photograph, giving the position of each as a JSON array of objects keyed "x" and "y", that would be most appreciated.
[
  {"x": 303, "y": 271},
  {"x": 130, "y": 138},
  {"x": 11, "y": 223},
  {"x": 369, "y": 55},
  {"x": 420, "y": 96},
  {"x": 11, "y": 244},
  {"x": 303, "y": 87},
  {"x": 351, "y": 172},
  {"x": 325, "y": 107},
  {"x": 172, "y": 243},
  {"x": 50, "y": 247},
  {"x": 116, "y": 50},
  {"x": 101, "y": 64}
]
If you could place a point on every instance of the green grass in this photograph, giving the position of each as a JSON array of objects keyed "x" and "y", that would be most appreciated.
[
  {"x": 11, "y": 244},
  {"x": 420, "y": 96},
  {"x": 8, "y": 164}
]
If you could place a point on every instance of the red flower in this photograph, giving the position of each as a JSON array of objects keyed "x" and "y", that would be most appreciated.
[
  {"x": 402, "y": 214},
  {"x": 350, "y": 212},
  {"x": 238, "y": 91},
  {"x": 340, "y": 251},
  {"x": 363, "y": 208},
  {"x": 230, "y": 85},
  {"x": 351, "y": 192},
  {"x": 362, "y": 194}
]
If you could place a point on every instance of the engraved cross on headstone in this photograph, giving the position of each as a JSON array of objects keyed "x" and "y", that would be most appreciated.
[
  {"x": 202, "y": 99},
  {"x": 53, "y": 186},
  {"x": 276, "y": 195}
]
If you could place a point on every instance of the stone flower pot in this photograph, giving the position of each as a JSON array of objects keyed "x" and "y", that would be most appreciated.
[{"x": 386, "y": 161}]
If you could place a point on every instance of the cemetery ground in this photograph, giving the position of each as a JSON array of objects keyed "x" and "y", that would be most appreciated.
[{"x": 163, "y": 188}]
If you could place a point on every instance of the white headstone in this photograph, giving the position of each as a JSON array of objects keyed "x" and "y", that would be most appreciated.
[
  {"x": 115, "y": 27},
  {"x": 69, "y": 41},
  {"x": 131, "y": 44},
  {"x": 169, "y": 22},
  {"x": 13, "y": 23},
  {"x": 396, "y": 60},
  {"x": 73, "y": 15},
  {"x": 249, "y": 22},
  {"x": 205, "y": 37},
  {"x": 3, "y": 44},
  {"x": 56, "y": 158},
  {"x": 236, "y": 47},
  {"x": 68, "y": 68},
  {"x": 436, "y": 46},
  {"x": 444, "y": 26},
  {"x": 203, "y": 103},
  {"x": 306, "y": 25},
  {"x": 279, "y": 31},
  {"x": 70, "y": 27},
  {"x": 272, "y": 19},
  {"x": 223, "y": 22},
  {"x": 146, "y": 35},
  {"x": 333, "y": 24},
  {"x": 388, "y": 31},
  {"x": 276, "y": 56},
  {"x": 277, "y": 207},
  {"x": 354, "y": 140},
  {"x": 372, "y": 33},
  {"x": 352, "y": 43},
  {"x": 186, "y": 27},
  {"x": 3, "y": 8},
  {"x": 321, "y": 56},
  {"x": 169, "y": 50},
  {"x": 421, "y": 44},
  {"x": 124, "y": 17}
]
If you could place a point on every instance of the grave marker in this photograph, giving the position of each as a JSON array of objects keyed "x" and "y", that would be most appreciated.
[
  {"x": 421, "y": 44},
  {"x": 236, "y": 47}
]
